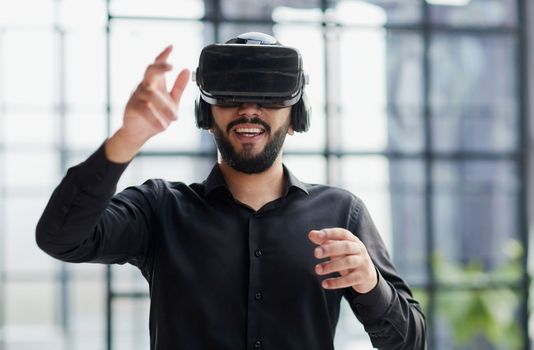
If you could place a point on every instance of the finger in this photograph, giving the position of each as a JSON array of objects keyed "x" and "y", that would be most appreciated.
[
  {"x": 338, "y": 248},
  {"x": 154, "y": 71},
  {"x": 164, "y": 55},
  {"x": 179, "y": 85},
  {"x": 321, "y": 236},
  {"x": 340, "y": 282},
  {"x": 317, "y": 236},
  {"x": 160, "y": 101},
  {"x": 339, "y": 265},
  {"x": 337, "y": 233}
]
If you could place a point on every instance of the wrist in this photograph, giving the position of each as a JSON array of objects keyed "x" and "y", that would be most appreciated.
[
  {"x": 369, "y": 285},
  {"x": 122, "y": 147}
]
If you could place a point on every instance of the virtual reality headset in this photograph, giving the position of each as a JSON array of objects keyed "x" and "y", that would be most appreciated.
[{"x": 232, "y": 74}]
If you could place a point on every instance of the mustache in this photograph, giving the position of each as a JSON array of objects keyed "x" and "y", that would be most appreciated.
[{"x": 245, "y": 120}]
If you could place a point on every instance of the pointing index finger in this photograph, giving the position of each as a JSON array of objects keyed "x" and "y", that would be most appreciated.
[{"x": 164, "y": 55}]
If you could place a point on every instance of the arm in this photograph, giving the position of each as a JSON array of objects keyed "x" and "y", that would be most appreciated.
[
  {"x": 83, "y": 221},
  {"x": 378, "y": 296}
]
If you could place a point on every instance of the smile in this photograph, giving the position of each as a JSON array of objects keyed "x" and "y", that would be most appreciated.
[{"x": 249, "y": 132}]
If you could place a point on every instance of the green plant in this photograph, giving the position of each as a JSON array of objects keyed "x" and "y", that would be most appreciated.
[{"x": 482, "y": 312}]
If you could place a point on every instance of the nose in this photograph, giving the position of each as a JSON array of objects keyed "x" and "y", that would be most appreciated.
[{"x": 249, "y": 109}]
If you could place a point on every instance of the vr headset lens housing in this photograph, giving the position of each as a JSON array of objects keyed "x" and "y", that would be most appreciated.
[{"x": 231, "y": 74}]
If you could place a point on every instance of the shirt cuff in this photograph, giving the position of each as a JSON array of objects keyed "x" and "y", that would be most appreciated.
[
  {"x": 99, "y": 171},
  {"x": 373, "y": 305}
]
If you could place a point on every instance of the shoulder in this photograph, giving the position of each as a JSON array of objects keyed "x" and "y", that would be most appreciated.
[
  {"x": 331, "y": 191},
  {"x": 165, "y": 186},
  {"x": 336, "y": 195},
  {"x": 157, "y": 188}
]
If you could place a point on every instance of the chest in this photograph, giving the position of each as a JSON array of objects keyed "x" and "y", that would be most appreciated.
[{"x": 218, "y": 238}]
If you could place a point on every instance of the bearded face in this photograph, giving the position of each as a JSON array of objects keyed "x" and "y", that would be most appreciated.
[{"x": 250, "y": 144}]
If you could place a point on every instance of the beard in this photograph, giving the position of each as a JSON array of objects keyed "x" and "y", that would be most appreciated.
[{"x": 245, "y": 161}]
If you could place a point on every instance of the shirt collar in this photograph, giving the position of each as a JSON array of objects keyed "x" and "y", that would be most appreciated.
[
  {"x": 215, "y": 180},
  {"x": 292, "y": 181}
]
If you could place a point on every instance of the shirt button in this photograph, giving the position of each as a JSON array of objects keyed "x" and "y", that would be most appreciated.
[
  {"x": 258, "y": 296},
  {"x": 257, "y": 344},
  {"x": 258, "y": 253}
]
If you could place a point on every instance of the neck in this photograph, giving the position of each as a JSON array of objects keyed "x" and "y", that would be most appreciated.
[{"x": 255, "y": 190}]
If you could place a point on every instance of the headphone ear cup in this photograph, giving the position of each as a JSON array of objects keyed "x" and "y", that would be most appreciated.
[
  {"x": 300, "y": 114},
  {"x": 203, "y": 115}
]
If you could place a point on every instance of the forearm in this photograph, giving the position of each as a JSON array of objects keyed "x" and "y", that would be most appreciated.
[{"x": 77, "y": 203}]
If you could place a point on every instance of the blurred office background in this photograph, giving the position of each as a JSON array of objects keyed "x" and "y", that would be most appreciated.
[{"x": 420, "y": 107}]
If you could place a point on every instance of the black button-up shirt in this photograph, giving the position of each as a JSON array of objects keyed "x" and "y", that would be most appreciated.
[{"x": 221, "y": 275}]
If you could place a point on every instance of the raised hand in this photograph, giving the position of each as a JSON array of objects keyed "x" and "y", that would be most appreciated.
[
  {"x": 348, "y": 257},
  {"x": 149, "y": 111}
]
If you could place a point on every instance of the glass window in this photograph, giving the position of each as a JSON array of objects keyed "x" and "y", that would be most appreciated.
[
  {"x": 30, "y": 128},
  {"x": 381, "y": 96},
  {"x": 21, "y": 252},
  {"x": 86, "y": 309},
  {"x": 27, "y": 81},
  {"x": 487, "y": 191},
  {"x": 266, "y": 10},
  {"x": 130, "y": 320},
  {"x": 78, "y": 14},
  {"x": 21, "y": 166},
  {"x": 377, "y": 12},
  {"x": 408, "y": 218},
  {"x": 85, "y": 69},
  {"x": 193, "y": 9},
  {"x": 15, "y": 13},
  {"x": 474, "y": 12},
  {"x": 85, "y": 129},
  {"x": 403, "y": 110},
  {"x": 128, "y": 279},
  {"x": 474, "y": 93},
  {"x": 31, "y": 321}
]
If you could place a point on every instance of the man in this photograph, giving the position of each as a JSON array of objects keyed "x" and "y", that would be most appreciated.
[{"x": 251, "y": 258}]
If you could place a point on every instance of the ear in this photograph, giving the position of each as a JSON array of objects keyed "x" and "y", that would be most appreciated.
[{"x": 290, "y": 131}]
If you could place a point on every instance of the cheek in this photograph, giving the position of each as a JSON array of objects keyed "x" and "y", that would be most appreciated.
[
  {"x": 222, "y": 114},
  {"x": 282, "y": 118}
]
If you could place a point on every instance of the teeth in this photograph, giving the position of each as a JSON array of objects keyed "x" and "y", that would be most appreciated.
[{"x": 248, "y": 130}]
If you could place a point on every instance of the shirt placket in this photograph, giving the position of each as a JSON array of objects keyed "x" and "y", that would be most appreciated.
[{"x": 255, "y": 292}]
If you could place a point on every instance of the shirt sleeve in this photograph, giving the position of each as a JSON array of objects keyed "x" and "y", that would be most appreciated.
[
  {"x": 391, "y": 316},
  {"x": 84, "y": 222}
]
